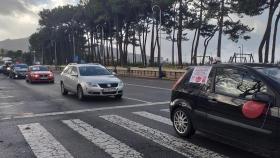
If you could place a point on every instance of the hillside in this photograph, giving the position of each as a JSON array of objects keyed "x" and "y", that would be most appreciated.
[{"x": 15, "y": 44}]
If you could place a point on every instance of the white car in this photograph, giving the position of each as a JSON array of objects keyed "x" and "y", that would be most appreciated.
[{"x": 90, "y": 80}]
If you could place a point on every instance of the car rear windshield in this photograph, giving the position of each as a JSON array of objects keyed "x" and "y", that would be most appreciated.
[
  {"x": 21, "y": 66},
  {"x": 272, "y": 72},
  {"x": 93, "y": 71},
  {"x": 39, "y": 68}
]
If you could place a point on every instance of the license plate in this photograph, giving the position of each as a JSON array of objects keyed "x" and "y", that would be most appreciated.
[
  {"x": 109, "y": 89},
  {"x": 44, "y": 78}
]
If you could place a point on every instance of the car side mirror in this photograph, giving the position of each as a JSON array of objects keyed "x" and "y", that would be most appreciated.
[{"x": 262, "y": 97}]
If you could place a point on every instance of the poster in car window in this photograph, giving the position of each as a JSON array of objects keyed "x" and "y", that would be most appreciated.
[{"x": 200, "y": 74}]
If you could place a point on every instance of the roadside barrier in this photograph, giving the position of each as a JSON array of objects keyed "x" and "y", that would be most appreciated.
[{"x": 152, "y": 73}]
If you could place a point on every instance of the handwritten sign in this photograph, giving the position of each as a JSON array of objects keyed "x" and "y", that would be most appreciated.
[{"x": 200, "y": 74}]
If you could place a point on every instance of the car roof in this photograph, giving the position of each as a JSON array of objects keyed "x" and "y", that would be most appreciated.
[
  {"x": 89, "y": 64},
  {"x": 242, "y": 65}
]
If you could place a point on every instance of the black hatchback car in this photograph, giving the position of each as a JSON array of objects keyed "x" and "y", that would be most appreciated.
[{"x": 238, "y": 104}]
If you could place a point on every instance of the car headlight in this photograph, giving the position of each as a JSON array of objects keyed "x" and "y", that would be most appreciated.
[
  {"x": 121, "y": 84},
  {"x": 92, "y": 84}
]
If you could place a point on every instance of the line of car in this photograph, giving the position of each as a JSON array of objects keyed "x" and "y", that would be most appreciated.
[
  {"x": 32, "y": 74},
  {"x": 85, "y": 80}
]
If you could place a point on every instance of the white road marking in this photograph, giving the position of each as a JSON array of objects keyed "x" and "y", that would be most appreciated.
[
  {"x": 83, "y": 111},
  {"x": 165, "y": 110},
  {"x": 152, "y": 87},
  {"x": 3, "y": 96},
  {"x": 178, "y": 145},
  {"x": 110, "y": 145},
  {"x": 9, "y": 105},
  {"x": 137, "y": 100},
  {"x": 42, "y": 143},
  {"x": 154, "y": 117}
]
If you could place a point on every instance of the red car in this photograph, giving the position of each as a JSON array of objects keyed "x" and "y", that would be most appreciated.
[{"x": 39, "y": 73}]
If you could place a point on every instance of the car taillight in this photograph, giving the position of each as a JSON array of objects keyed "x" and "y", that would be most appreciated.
[{"x": 178, "y": 82}]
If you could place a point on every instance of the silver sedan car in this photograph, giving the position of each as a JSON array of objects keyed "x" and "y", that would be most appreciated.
[{"x": 90, "y": 80}]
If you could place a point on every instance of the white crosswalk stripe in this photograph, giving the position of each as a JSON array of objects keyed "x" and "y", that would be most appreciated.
[
  {"x": 180, "y": 146},
  {"x": 4, "y": 96},
  {"x": 9, "y": 105},
  {"x": 165, "y": 110},
  {"x": 42, "y": 143},
  {"x": 110, "y": 145},
  {"x": 154, "y": 117}
]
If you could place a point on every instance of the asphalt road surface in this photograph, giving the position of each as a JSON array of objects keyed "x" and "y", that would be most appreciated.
[{"x": 37, "y": 121}]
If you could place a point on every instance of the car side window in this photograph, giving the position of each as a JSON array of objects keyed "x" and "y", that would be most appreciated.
[
  {"x": 74, "y": 71},
  {"x": 188, "y": 84},
  {"x": 208, "y": 86},
  {"x": 66, "y": 70},
  {"x": 237, "y": 83}
]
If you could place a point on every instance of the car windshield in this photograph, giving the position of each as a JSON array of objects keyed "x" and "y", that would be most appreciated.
[
  {"x": 39, "y": 68},
  {"x": 21, "y": 66},
  {"x": 93, "y": 71},
  {"x": 272, "y": 72}
]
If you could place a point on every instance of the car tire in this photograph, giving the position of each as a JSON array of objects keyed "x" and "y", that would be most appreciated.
[
  {"x": 80, "y": 93},
  {"x": 63, "y": 90},
  {"x": 118, "y": 97},
  {"x": 182, "y": 123}
]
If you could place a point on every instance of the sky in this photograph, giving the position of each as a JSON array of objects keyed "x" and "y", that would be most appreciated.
[{"x": 19, "y": 19}]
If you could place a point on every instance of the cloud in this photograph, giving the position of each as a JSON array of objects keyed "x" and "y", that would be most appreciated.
[{"x": 19, "y": 18}]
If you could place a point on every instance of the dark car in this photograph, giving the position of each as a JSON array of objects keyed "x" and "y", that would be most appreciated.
[
  {"x": 18, "y": 71},
  {"x": 7, "y": 68},
  {"x": 39, "y": 73},
  {"x": 235, "y": 104},
  {"x": 1, "y": 68}
]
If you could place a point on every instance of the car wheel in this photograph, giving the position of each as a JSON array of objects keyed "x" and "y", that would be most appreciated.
[
  {"x": 63, "y": 90},
  {"x": 182, "y": 123},
  {"x": 80, "y": 93},
  {"x": 119, "y": 96}
]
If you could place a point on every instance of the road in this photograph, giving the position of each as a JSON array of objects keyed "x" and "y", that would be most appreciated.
[{"x": 37, "y": 121}]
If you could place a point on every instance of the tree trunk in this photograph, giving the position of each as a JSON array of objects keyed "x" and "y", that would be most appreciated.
[
  {"x": 112, "y": 51},
  {"x": 275, "y": 38},
  {"x": 179, "y": 34},
  {"x": 267, "y": 45},
  {"x": 193, "y": 42},
  {"x": 141, "y": 48},
  {"x": 173, "y": 47},
  {"x": 221, "y": 24},
  {"x": 198, "y": 33},
  {"x": 267, "y": 32},
  {"x": 206, "y": 43}
]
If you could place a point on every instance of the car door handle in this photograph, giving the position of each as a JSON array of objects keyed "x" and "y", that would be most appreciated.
[{"x": 213, "y": 100}]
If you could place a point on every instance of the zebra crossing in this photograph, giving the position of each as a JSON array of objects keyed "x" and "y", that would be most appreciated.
[
  {"x": 43, "y": 144},
  {"x": 5, "y": 96}
]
